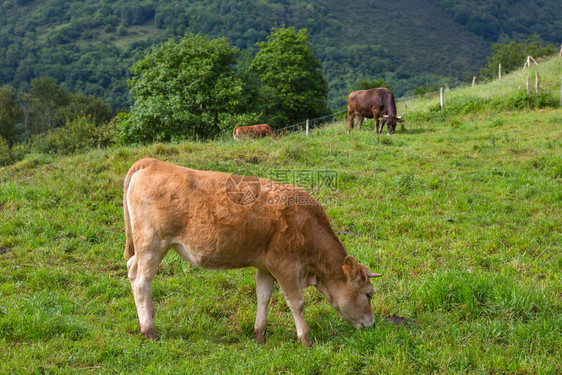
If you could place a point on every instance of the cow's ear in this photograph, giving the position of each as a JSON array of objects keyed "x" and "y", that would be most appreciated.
[{"x": 351, "y": 268}]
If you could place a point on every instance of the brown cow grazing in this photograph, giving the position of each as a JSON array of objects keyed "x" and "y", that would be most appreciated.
[
  {"x": 252, "y": 131},
  {"x": 220, "y": 221},
  {"x": 372, "y": 104}
]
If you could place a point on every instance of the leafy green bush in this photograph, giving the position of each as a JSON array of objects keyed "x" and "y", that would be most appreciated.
[
  {"x": 78, "y": 135},
  {"x": 5, "y": 154},
  {"x": 466, "y": 104},
  {"x": 293, "y": 86},
  {"x": 11, "y": 155},
  {"x": 180, "y": 89},
  {"x": 521, "y": 100}
]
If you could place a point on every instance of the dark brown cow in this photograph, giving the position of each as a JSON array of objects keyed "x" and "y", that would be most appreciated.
[
  {"x": 372, "y": 104},
  {"x": 253, "y": 131},
  {"x": 222, "y": 221}
]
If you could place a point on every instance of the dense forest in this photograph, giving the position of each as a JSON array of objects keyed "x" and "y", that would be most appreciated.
[{"x": 90, "y": 46}]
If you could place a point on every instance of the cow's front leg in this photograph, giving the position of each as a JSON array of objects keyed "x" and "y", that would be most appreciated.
[
  {"x": 264, "y": 287},
  {"x": 292, "y": 291},
  {"x": 376, "y": 114},
  {"x": 379, "y": 124}
]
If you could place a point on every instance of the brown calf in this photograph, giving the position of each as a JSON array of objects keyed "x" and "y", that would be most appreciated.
[
  {"x": 220, "y": 221},
  {"x": 253, "y": 131}
]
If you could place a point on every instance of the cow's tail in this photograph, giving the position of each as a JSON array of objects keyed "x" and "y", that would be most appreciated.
[{"x": 129, "y": 243}]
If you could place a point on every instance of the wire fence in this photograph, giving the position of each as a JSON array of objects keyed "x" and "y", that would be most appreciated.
[
  {"x": 305, "y": 126},
  {"x": 319, "y": 122},
  {"x": 310, "y": 124}
]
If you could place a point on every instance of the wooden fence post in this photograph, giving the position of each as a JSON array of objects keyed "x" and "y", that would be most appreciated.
[
  {"x": 537, "y": 82},
  {"x": 528, "y": 87},
  {"x": 307, "y": 127},
  {"x": 500, "y": 72},
  {"x": 473, "y": 80},
  {"x": 441, "y": 99}
]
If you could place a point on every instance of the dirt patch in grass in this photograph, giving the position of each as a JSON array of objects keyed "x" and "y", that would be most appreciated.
[
  {"x": 399, "y": 320},
  {"x": 4, "y": 250}
]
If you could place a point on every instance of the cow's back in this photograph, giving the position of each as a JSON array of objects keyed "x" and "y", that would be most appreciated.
[
  {"x": 202, "y": 212},
  {"x": 364, "y": 102},
  {"x": 253, "y": 131}
]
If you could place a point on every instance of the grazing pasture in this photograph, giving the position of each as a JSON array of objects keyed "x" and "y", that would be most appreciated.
[{"x": 462, "y": 216}]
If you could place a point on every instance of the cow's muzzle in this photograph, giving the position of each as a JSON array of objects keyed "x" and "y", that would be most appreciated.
[{"x": 365, "y": 324}]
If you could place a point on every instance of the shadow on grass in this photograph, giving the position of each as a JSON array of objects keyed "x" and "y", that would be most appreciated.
[{"x": 415, "y": 131}]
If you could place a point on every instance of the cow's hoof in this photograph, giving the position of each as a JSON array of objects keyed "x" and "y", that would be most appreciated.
[
  {"x": 260, "y": 337},
  {"x": 306, "y": 341},
  {"x": 150, "y": 334}
]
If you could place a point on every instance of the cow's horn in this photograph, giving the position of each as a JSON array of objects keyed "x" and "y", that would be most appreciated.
[
  {"x": 385, "y": 116},
  {"x": 370, "y": 274}
]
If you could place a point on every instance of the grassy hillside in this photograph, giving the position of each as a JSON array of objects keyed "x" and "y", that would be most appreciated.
[
  {"x": 462, "y": 219},
  {"x": 509, "y": 93}
]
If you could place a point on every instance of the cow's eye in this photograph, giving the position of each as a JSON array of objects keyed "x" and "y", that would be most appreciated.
[{"x": 369, "y": 295}]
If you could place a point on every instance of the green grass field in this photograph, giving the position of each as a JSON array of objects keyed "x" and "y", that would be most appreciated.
[
  {"x": 463, "y": 218},
  {"x": 460, "y": 212}
]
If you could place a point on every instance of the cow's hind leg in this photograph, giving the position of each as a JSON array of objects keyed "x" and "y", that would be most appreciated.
[
  {"x": 359, "y": 122},
  {"x": 264, "y": 287},
  {"x": 350, "y": 120},
  {"x": 142, "y": 268}
]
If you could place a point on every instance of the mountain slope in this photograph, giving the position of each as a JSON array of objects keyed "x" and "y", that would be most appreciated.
[
  {"x": 90, "y": 45},
  {"x": 409, "y": 45}
]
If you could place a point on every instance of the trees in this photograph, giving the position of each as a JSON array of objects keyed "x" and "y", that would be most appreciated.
[
  {"x": 10, "y": 115},
  {"x": 189, "y": 89},
  {"x": 48, "y": 106},
  {"x": 183, "y": 90},
  {"x": 292, "y": 85},
  {"x": 42, "y": 104},
  {"x": 366, "y": 85},
  {"x": 512, "y": 56}
]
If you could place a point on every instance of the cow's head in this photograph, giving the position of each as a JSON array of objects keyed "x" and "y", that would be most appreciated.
[
  {"x": 391, "y": 121},
  {"x": 351, "y": 294}
]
